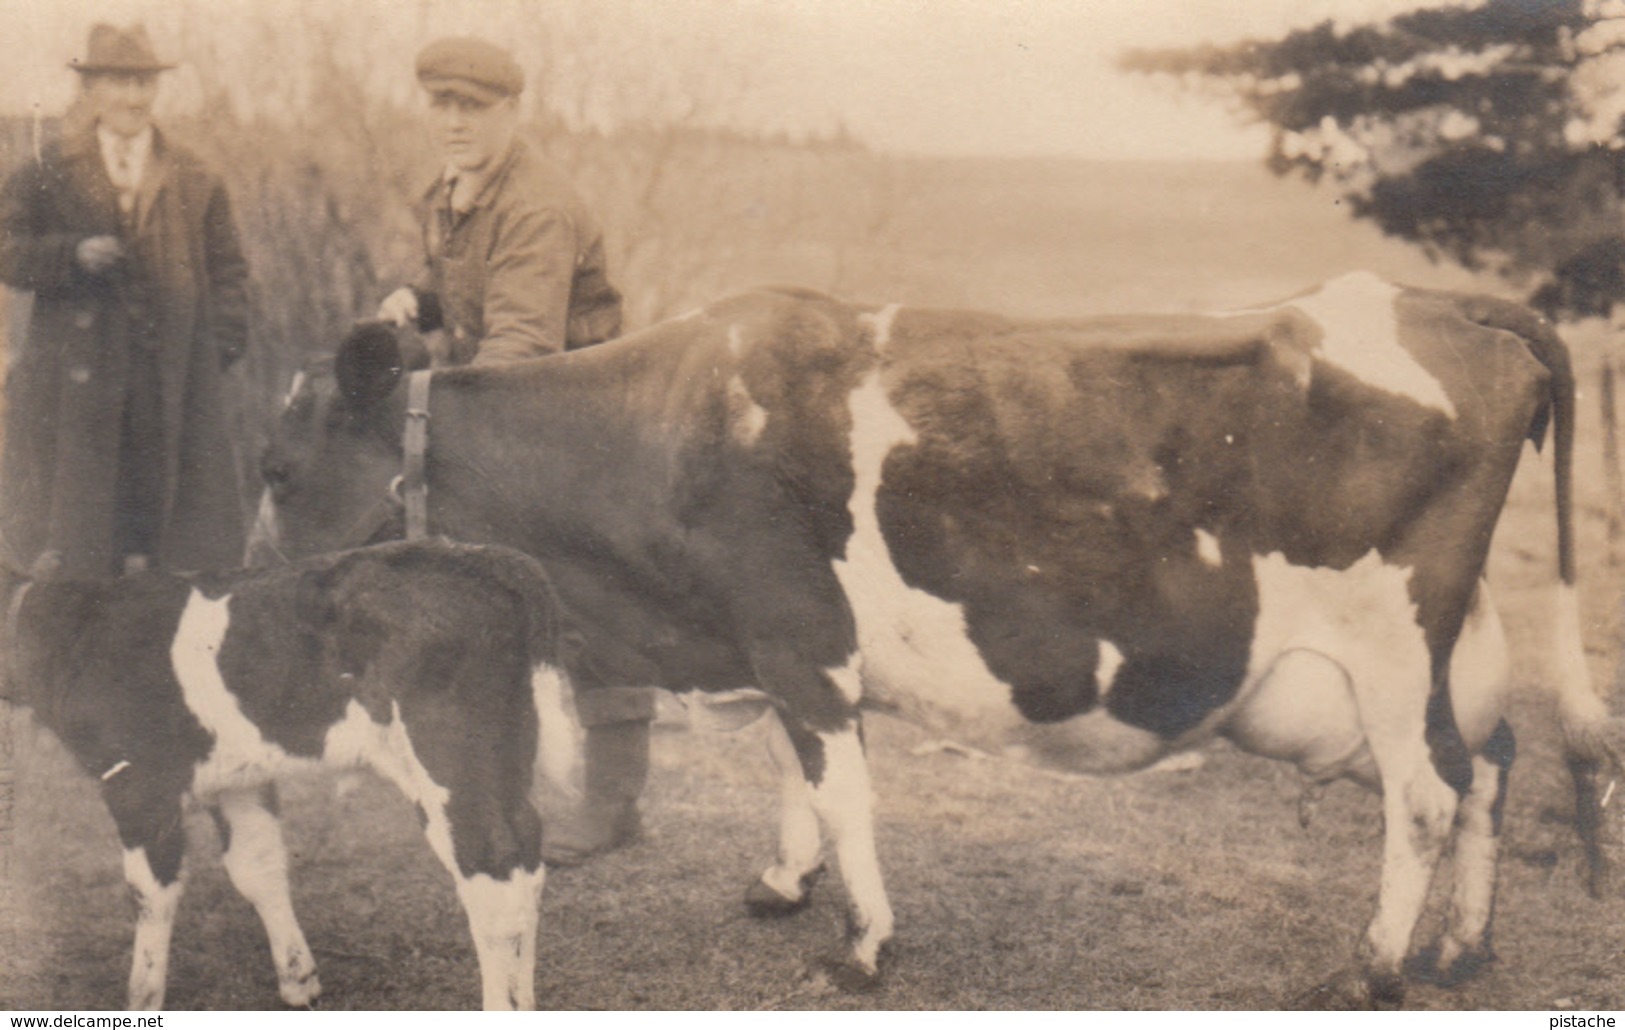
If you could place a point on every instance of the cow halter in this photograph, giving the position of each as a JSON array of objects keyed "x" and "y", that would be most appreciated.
[
  {"x": 412, "y": 486},
  {"x": 408, "y": 493}
]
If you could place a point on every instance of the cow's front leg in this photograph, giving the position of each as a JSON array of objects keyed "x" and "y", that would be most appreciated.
[
  {"x": 786, "y": 886},
  {"x": 838, "y": 774},
  {"x": 256, "y": 859}
]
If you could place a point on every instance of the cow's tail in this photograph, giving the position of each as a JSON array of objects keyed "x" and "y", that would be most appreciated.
[{"x": 1594, "y": 741}]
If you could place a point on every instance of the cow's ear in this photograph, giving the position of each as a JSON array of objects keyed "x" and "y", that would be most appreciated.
[
  {"x": 415, "y": 356},
  {"x": 368, "y": 365}
]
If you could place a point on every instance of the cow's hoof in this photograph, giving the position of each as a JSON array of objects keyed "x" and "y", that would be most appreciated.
[
  {"x": 765, "y": 902},
  {"x": 1354, "y": 991},
  {"x": 847, "y": 973},
  {"x": 1424, "y": 967}
]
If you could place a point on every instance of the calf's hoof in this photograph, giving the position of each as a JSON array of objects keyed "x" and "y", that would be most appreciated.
[
  {"x": 301, "y": 993},
  {"x": 847, "y": 973},
  {"x": 765, "y": 902}
]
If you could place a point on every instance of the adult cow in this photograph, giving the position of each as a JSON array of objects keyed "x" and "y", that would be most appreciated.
[{"x": 1105, "y": 539}]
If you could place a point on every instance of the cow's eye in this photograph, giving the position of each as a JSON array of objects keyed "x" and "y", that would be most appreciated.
[{"x": 275, "y": 473}]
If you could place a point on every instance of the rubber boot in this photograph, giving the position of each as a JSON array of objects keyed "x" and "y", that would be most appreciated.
[{"x": 617, "y": 767}]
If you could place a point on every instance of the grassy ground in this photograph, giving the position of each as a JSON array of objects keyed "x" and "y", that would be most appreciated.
[{"x": 1179, "y": 890}]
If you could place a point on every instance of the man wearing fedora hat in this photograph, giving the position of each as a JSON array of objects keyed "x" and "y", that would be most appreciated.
[
  {"x": 515, "y": 269},
  {"x": 118, "y": 449}
]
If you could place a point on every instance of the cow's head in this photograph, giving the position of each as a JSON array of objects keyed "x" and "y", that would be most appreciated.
[{"x": 335, "y": 451}]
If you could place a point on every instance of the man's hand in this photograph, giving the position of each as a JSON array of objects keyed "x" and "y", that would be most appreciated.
[
  {"x": 96, "y": 254},
  {"x": 400, "y": 308}
]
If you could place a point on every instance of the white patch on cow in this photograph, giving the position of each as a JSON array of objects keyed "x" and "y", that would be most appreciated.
[
  {"x": 1580, "y": 707},
  {"x": 848, "y": 679},
  {"x": 844, "y": 799},
  {"x": 880, "y": 323},
  {"x": 257, "y": 862},
  {"x": 916, "y": 652},
  {"x": 358, "y": 740},
  {"x": 559, "y": 732},
  {"x": 1480, "y": 670},
  {"x": 1111, "y": 659},
  {"x": 799, "y": 839},
  {"x": 1362, "y": 661},
  {"x": 155, "y": 905},
  {"x": 736, "y": 341},
  {"x": 1207, "y": 548},
  {"x": 1362, "y": 622},
  {"x": 746, "y": 418},
  {"x": 1361, "y": 336},
  {"x": 502, "y": 917},
  {"x": 241, "y": 756}
]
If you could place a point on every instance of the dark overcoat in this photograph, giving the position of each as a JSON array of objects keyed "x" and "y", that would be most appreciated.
[{"x": 177, "y": 303}]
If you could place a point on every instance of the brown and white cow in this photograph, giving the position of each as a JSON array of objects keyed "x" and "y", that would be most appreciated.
[
  {"x": 1098, "y": 540},
  {"x": 426, "y": 662}
]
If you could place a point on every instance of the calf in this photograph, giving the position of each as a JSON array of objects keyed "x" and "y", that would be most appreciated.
[{"x": 426, "y": 662}]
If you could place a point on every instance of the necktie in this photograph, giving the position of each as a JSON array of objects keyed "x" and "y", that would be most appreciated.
[{"x": 124, "y": 176}]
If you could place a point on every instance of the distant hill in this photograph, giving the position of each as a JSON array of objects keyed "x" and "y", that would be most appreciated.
[{"x": 1054, "y": 237}]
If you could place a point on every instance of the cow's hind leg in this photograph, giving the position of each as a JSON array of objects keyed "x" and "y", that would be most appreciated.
[
  {"x": 1466, "y": 948},
  {"x": 1419, "y": 809},
  {"x": 786, "y": 886},
  {"x": 257, "y": 862}
]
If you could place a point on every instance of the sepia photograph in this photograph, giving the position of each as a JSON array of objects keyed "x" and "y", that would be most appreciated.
[{"x": 801, "y": 505}]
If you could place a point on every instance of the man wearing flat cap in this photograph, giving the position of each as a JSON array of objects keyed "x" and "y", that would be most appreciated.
[
  {"x": 119, "y": 453},
  {"x": 515, "y": 263},
  {"x": 516, "y": 270}
]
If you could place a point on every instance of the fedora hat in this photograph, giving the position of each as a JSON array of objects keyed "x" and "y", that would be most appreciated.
[{"x": 113, "y": 49}]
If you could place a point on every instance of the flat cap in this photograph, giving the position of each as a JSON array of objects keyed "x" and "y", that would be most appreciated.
[{"x": 470, "y": 67}]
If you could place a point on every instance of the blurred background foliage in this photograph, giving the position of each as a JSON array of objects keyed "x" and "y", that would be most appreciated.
[
  {"x": 1490, "y": 135},
  {"x": 315, "y": 121}
]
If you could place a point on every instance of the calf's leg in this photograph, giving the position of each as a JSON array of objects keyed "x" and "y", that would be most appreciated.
[
  {"x": 149, "y": 823},
  {"x": 257, "y": 862}
]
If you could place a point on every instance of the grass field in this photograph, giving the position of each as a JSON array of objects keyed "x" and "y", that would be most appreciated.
[{"x": 1013, "y": 889}]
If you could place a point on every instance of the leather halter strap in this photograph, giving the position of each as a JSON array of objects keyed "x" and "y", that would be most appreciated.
[{"x": 415, "y": 446}]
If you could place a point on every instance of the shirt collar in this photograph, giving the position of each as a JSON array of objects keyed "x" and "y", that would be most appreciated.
[
  {"x": 140, "y": 147},
  {"x": 465, "y": 190},
  {"x": 140, "y": 144}
]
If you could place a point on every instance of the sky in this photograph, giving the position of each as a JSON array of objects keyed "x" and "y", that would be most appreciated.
[{"x": 999, "y": 77}]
